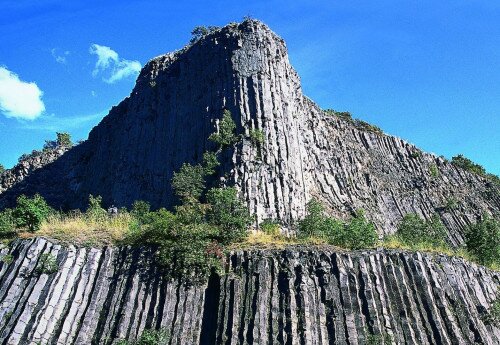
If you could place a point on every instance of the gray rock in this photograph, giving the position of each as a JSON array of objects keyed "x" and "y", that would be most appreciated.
[
  {"x": 294, "y": 296},
  {"x": 175, "y": 105}
]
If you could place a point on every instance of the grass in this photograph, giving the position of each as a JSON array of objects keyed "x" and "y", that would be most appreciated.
[
  {"x": 84, "y": 230},
  {"x": 81, "y": 229}
]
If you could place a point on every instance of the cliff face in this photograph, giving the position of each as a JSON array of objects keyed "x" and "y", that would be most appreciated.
[
  {"x": 175, "y": 106},
  {"x": 294, "y": 296},
  {"x": 27, "y": 165}
]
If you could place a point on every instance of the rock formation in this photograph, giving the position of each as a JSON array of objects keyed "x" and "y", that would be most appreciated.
[
  {"x": 28, "y": 164},
  {"x": 175, "y": 106},
  {"x": 295, "y": 296}
]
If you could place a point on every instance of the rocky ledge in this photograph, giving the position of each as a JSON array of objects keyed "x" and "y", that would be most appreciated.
[{"x": 291, "y": 296}]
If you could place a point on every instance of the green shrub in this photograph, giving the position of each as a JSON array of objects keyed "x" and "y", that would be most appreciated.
[
  {"x": 210, "y": 163},
  {"x": 414, "y": 230},
  {"x": 153, "y": 337},
  {"x": 363, "y": 125},
  {"x": 493, "y": 316},
  {"x": 2, "y": 169},
  {"x": 359, "y": 233},
  {"x": 356, "y": 234},
  {"x": 270, "y": 227},
  {"x": 225, "y": 137},
  {"x": 433, "y": 170},
  {"x": 31, "y": 212},
  {"x": 140, "y": 210},
  {"x": 200, "y": 31},
  {"x": 7, "y": 223},
  {"x": 189, "y": 182},
  {"x": 64, "y": 139},
  {"x": 483, "y": 241},
  {"x": 314, "y": 224},
  {"x": 416, "y": 154},
  {"x": 95, "y": 211},
  {"x": 257, "y": 137},
  {"x": 47, "y": 264},
  {"x": 149, "y": 337},
  {"x": 465, "y": 163},
  {"x": 7, "y": 259},
  {"x": 451, "y": 204},
  {"x": 228, "y": 214}
]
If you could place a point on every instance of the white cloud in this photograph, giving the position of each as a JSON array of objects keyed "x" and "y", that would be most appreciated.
[
  {"x": 60, "y": 58},
  {"x": 19, "y": 99},
  {"x": 108, "y": 59}
]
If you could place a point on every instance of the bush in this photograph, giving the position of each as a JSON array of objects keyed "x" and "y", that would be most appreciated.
[
  {"x": 359, "y": 233},
  {"x": 7, "y": 223},
  {"x": 314, "y": 223},
  {"x": 414, "y": 230},
  {"x": 200, "y": 31},
  {"x": 2, "y": 169},
  {"x": 47, "y": 264},
  {"x": 64, "y": 139},
  {"x": 483, "y": 241},
  {"x": 433, "y": 170},
  {"x": 149, "y": 337},
  {"x": 465, "y": 163},
  {"x": 189, "y": 182},
  {"x": 228, "y": 214},
  {"x": 270, "y": 227},
  {"x": 493, "y": 316},
  {"x": 31, "y": 212},
  {"x": 225, "y": 136},
  {"x": 95, "y": 211},
  {"x": 257, "y": 137},
  {"x": 356, "y": 234},
  {"x": 141, "y": 210}
]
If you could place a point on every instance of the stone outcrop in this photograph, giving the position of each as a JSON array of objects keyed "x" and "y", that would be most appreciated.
[
  {"x": 291, "y": 296},
  {"x": 175, "y": 106},
  {"x": 28, "y": 164}
]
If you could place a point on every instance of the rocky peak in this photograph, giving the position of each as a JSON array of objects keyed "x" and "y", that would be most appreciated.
[{"x": 175, "y": 105}]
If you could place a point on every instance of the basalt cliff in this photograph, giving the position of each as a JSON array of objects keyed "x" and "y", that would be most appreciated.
[{"x": 297, "y": 295}]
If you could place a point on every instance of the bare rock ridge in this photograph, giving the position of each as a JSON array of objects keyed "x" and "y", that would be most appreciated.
[
  {"x": 298, "y": 296},
  {"x": 175, "y": 105}
]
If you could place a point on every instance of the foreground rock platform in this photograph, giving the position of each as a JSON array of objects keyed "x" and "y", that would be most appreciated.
[{"x": 297, "y": 295}]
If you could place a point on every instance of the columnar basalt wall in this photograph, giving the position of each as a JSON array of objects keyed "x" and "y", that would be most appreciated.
[
  {"x": 291, "y": 296},
  {"x": 307, "y": 153}
]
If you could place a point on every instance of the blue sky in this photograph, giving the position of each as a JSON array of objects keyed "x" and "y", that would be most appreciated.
[{"x": 425, "y": 71}]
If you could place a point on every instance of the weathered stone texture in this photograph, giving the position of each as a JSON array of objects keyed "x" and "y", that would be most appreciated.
[
  {"x": 28, "y": 164},
  {"x": 292, "y": 296},
  {"x": 174, "y": 107}
]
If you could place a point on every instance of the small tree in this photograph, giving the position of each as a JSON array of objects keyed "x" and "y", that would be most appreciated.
[
  {"x": 257, "y": 137},
  {"x": 64, "y": 139},
  {"x": 225, "y": 136},
  {"x": 2, "y": 169},
  {"x": 414, "y": 230},
  {"x": 198, "y": 32},
  {"x": 95, "y": 211},
  {"x": 189, "y": 182},
  {"x": 314, "y": 223},
  {"x": 7, "y": 222},
  {"x": 141, "y": 210},
  {"x": 483, "y": 241},
  {"x": 31, "y": 212},
  {"x": 359, "y": 233},
  {"x": 228, "y": 214}
]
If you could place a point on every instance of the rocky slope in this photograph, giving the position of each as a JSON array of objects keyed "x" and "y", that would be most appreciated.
[
  {"x": 28, "y": 164},
  {"x": 294, "y": 296},
  {"x": 175, "y": 106}
]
